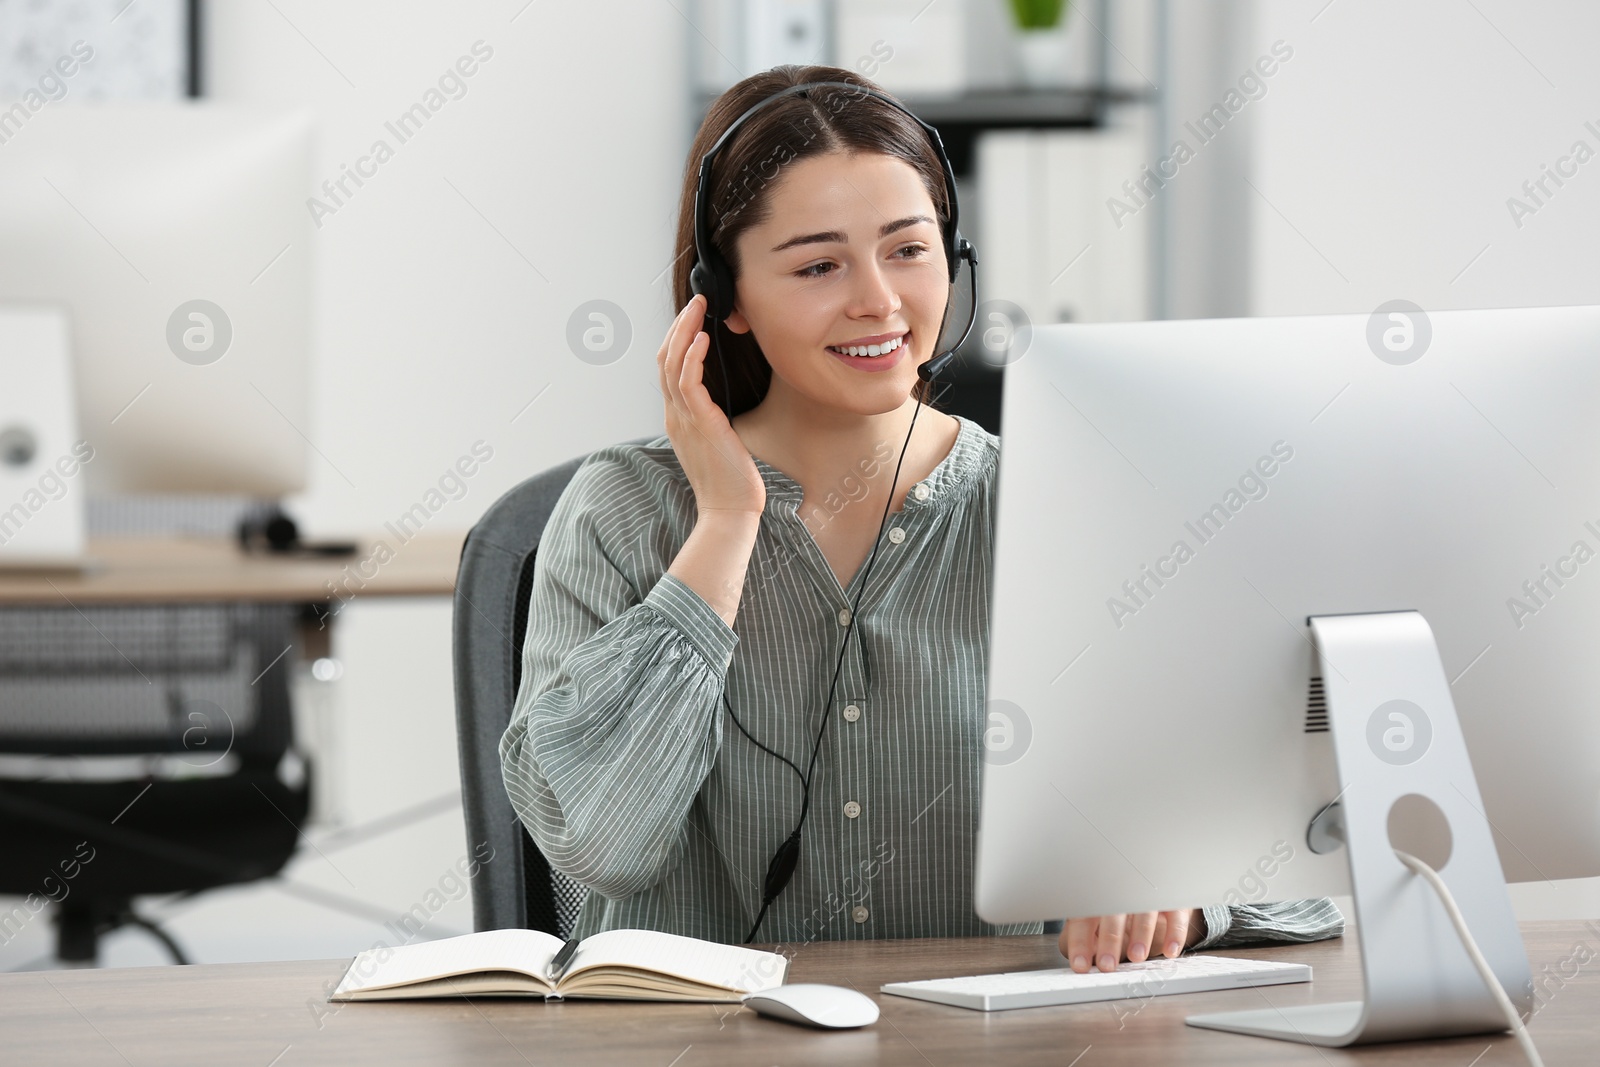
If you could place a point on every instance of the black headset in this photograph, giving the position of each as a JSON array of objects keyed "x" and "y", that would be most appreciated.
[{"x": 712, "y": 279}]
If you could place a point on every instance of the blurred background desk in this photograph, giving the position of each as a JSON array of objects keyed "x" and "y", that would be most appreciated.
[{"x": 179, "y": 570}]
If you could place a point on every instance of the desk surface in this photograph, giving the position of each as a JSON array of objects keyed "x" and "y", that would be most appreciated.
[
  {"x": 169, "y": 570},
  {"x": 269, "y": 1013}
]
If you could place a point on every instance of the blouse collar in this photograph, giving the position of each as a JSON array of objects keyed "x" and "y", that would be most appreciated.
[{"x": 948, "y": 481}]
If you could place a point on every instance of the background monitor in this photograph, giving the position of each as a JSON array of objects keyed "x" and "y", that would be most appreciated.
[
  {"x": 40, "y": 451},
  {"x": 178, "y": 236},
  {"x": 1176, "y": 498}
]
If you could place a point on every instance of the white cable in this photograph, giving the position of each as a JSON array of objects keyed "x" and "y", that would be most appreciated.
[{"x": 1471, "y": 946}]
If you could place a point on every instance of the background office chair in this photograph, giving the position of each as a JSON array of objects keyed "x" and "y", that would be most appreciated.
[
  {"x": 143, "y": 750},
  {"x": 518, "y": 888}
]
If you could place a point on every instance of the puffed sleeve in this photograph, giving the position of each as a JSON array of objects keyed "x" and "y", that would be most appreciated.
[
  {"x": 1278, "y": 920},
  {"x": 616, "y": 724}
]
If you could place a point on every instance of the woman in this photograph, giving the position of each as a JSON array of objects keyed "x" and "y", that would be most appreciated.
[{"x": 692, "y": 594}]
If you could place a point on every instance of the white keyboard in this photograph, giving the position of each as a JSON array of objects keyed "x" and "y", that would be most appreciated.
[{"x": 1062, "y": 985}]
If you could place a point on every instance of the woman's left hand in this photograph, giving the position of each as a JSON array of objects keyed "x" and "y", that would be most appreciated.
[{"x": 1107, "y": 939}]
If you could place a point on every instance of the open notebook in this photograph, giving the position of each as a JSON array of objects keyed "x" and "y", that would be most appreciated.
[{"x": 614, "y": 964}]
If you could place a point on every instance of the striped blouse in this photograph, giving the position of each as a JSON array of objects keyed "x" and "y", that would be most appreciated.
[{"x": 622, "y": 761}]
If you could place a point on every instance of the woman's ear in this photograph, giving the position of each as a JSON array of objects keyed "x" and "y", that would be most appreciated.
[{"x": 736, "y": 321}]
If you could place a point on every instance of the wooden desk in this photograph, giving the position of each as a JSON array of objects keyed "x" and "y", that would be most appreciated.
[
  {"x": 176, "y": 570},
  {"x": 268, "y": 1013}
]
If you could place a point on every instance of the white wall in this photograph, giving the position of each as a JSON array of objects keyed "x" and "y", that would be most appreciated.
[
  {"x": 1207, "y": 224},
  {"x": 436, "y": 324},
  {"x": 1393, "y": 139}
]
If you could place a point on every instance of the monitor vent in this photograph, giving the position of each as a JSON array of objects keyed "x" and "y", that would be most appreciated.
[{"x": 1316, "y": 708}]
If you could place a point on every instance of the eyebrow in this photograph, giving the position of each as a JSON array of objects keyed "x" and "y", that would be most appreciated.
[{"x": 838, "y": 237}]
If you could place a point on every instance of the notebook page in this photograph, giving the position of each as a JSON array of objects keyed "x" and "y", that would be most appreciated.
[
  {"x": 487, "y": 950},
  {"x": 725, "y": 966}
]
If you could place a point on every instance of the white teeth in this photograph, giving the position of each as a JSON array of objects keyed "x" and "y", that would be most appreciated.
[{"x": 868, "y": 351}]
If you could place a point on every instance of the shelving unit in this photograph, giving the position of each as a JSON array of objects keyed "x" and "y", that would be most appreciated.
[{"x": 960, "y": 119}]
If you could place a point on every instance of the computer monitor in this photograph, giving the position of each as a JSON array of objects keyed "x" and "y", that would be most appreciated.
[
  {"x": 1178, "y": 500},
  {"x": 40, "y": 451},
  {"x": 178, "y": 236}
]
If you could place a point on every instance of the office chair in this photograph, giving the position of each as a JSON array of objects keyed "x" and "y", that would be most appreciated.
[
  {"x": 517, "y": 888},
  {"x": 143, "y": 750}
]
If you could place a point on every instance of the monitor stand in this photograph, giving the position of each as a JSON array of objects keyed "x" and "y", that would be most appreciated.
[{"x": 1406, "y": 783}]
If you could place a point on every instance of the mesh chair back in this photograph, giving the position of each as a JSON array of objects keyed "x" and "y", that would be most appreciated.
[
  {"x": 182, "y": 708},
  {"x": 194, "y": 680},
  {"x": 517, "y": 888}
]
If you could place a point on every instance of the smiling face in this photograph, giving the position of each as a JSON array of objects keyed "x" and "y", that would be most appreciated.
[{"x": 850, "y": 260}]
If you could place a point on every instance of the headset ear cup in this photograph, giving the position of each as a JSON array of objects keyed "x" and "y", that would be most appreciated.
[
  {"x": 960, "y": 248},
  {"x": 700, "y": 282},
  {"x": 713, "y": 283}
]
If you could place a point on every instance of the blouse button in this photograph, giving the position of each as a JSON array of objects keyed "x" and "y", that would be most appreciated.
[
  {"x": 859, "y": 914},
  {"x": 851, "y": 713},
  {"x": 920, "y": 492},
  {"x": 851, "y": 809},
  {"x": 844, "y": 616},
  {"x": 896, "y": 534}
]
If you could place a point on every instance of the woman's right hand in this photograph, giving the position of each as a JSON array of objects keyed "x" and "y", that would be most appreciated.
[{"x": 721, "y": 471}]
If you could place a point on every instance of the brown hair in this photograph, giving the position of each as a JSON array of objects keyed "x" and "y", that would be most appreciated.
[{"x": 794, "y": 128}]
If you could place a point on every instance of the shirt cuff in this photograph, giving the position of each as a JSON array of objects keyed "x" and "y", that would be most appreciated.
[
  {"x": 1218, "y": 920},
  {"x": 681, "y": 606}
]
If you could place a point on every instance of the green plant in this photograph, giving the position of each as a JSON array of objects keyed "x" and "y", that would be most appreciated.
[{"x": 1038, "y": 14}]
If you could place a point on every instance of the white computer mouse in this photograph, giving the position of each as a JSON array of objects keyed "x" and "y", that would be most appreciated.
[{"x": 809, "y": 1004}]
